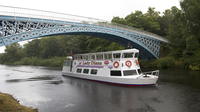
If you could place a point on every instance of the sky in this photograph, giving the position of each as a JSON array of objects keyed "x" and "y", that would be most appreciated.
[{"x": 101, "y": 9}]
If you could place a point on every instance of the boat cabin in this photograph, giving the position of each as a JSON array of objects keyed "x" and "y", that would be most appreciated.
[{"x": 113, "y": 63}]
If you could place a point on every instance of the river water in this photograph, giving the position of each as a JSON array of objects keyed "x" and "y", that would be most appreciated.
[{"x": 46, "y": 89}]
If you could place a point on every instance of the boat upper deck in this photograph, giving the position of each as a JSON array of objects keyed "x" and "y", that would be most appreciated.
[{"x": 119, "y": 54}]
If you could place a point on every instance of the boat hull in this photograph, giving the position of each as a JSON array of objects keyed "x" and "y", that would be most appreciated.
[{"x": 115, "y": 80}]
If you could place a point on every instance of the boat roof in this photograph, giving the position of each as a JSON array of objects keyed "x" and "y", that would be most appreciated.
[{"x": 117, "y": 51}]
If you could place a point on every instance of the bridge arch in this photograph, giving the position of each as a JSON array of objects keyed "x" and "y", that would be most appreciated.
[{"x": 20, "y": 28}]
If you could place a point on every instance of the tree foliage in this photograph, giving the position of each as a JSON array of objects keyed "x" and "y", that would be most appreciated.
[
  {"x": 12, "y": 53},
  {"x": 56, "y": 46},
  {"x": 180, "y": 26},
  {"x": 148, "y": 21}
]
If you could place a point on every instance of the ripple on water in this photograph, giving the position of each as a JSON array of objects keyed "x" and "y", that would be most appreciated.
[
  {"x": 56, "y": 82},
  {"x": 69, "y": 105},
  {"x": 22, "y": 71},
  {"x": 39, "y": 78}
]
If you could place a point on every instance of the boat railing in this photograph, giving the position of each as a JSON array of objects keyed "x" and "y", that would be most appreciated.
[{"x": 155, "y": 72}]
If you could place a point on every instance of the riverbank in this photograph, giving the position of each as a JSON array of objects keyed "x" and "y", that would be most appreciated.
[
  {"x": 172, "y": 63},
  {"x": 9, "y": 104}
]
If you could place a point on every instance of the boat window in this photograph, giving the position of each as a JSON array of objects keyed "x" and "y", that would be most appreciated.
[
  {"x": 99, "y": 56},
  {"x": 130, "y": 72},
  {"x": 136, "y": 55},
  {"x": 79, "y": 57},
  {"x": 107, "y": 56},
  {"x": 79, "y": 70},
  {"x": 139, "y": 71},
  {"x": 86, "y": 71},
  {"x": 69, "y": 58},
  {"x": 93, "y": 71},
  {"x": 128, "y": 55},
  {"x": 75, "y": 57},
  {"x": 92, "y": 57},
  {"x": 67, "y": 62},
  {"x": 115, "y": 73},
  {"x": 116, "y": 55},
  {"x": 85, "y": 57}
]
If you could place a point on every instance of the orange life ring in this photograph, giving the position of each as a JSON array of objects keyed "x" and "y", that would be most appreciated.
[
  {"x": 116, "y": 64},
  {"x": 128, "y": 63}
]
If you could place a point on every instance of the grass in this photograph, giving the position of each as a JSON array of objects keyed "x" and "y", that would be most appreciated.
[{"x": 9, "y": 104}]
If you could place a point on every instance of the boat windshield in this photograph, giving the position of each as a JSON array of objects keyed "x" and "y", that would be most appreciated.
[
  {"x": 139, "y": 71},
  {"x": 136, "y": 55}
]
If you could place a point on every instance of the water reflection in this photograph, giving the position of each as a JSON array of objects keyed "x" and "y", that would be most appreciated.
[
  {"x": 191, "y": 78},
  {"x": 113, "y": 98}
]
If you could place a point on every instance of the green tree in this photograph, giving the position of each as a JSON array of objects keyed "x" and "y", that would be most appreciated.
[
  {"x": 148, "y": 21},
  {"x": 192, "y": 45},
  {"x": 191, "y": 9},
  {"x": 152, "y": 21},
  {"x": 118, "y": 20},
  {"x": 176, "y": 31},
  {"x": 50, "y": 47},
  {"x": 32, "y": 48},
  {"x": 13, "y": 53},
  {"x": 135, "y": 19}
]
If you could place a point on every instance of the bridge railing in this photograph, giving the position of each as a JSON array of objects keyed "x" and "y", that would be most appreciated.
[
  {"x": 35, "y": 13},
  {"x": 41, "y": 14},
  {"x": 130, "y": 29}
]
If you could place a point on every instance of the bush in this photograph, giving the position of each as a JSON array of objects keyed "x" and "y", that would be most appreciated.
[
  {"x": 194, "y": 67},
  {"x": 193, "y": 62},
  {"x": 166, "y": 62}
]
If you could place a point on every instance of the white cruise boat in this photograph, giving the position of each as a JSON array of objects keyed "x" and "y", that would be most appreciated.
[{"x": 116, "y": 67}]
